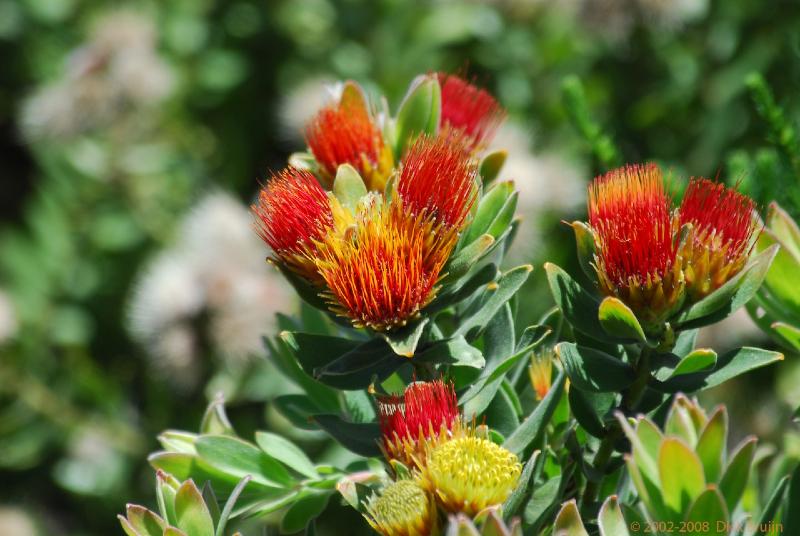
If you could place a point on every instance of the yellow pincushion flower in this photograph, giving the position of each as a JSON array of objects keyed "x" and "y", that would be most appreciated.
[
  {"x": 403, "y": 508},
  {"x": 469, "y": 473}
]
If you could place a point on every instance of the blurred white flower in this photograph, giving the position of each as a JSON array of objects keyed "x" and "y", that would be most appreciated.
[
  {"x": 545, "y": 182},
  {"x": 8, "y": 318},
  {"x": 213, "y": 287},
  {"x": 672, "y": 14},
  {"x": 117, "y": 71},
  {"x": 301, "y": 102},
  {"x": 16, "y": 522}
]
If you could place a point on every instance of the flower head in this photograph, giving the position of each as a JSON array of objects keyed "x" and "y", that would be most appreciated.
[
  {"x": 470, "y": 109},
  {"x": 722, "y": 235},
  {"x": 541, "y": 372},
  {"x": 382, "y": 269},
  {"x": 427, "y": 411},
  {"x": 345, "y": 133},
  {"x": 470, "y": 473},
  {"x": 636, "y": 256},
  {"x": 403, "y": 508},
  {"x": 292, "y": 211},
  {"x": 438, "y": 180}
]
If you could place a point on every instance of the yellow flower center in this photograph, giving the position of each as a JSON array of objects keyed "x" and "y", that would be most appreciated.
[
  {"x": 470, "y": 473},
  {"x": 402, "y": 509}
]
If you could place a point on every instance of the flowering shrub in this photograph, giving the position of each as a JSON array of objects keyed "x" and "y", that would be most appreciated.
[{"x": 392, "y": 229}]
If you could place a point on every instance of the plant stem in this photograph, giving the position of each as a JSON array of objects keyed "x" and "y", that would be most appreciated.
[{"x": 630, "y": 400}]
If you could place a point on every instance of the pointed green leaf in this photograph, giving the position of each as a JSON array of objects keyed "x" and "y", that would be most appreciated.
[
  {"x": 404, "y": 341},
  {"x": 790, "y": 335},
  {"x": 191, "y": 511},
  {"x": 506, "y": 287},
  {"x": 303, "y": 511},
  {"x": 792, "y": 509},
  {"x": 784, "y": 228},
  {"x": 360, "y": 438},
  {"x": 286, "y": 452},
  {"x": 711, "y": 444},
  {"x": 734, "y": 479},
  {"x": 229, "y": 504},
  {"x": 453, "y": 351},
  {"x": 348, "y": 186},
  {"x": 770, "y": 511},
  {"x": 709, "y": 507},
  {"x": 610, "y": 519},
  {"x": 584, "y": 240},
  {"x": 489, "y": 208},
  {"x": 593, "y": 370},
  {"x": 695, "y": 361},
  {"x": 210, "y": 499},
  {"x": 533, "y": 426},
  {"x": 729, "y": 365},
  {"x": 144, "y": 522},
  {"x": 491, "y": 165},
  {"x": 514, "y": 500},
  {"x": 579, "y": 307},
  {"x": 419, "y": 112},
  {"x": 681, "y": 475},
  {"x": 619, "y": 321},
  {"x": 569, "y": 521},
  {"x": 590, "y": 408},
  {"x": 215, "y": 420},
  {"x": 543, "y": 497},
  {"x": 467, "y": 257},
  {"x": 239, "y": 458}
]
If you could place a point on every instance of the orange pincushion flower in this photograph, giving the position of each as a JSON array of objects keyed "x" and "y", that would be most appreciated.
[
  {"x": 722, "y": 236},
  {"x": 292, "y": 211},
  {"x": 636, "y": 257},
  {"x": 470, "y": 109},
  {"x": 438, "y": 180},
  {"x": 381, "y": 272},
  {"x": 382, "y": 269},
  {"x": 427, "y": 411},
  {"x": 345, "y": 133}
]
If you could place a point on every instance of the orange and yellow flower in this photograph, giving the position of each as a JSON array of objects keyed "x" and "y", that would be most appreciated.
[
  {"x": 723, "y": 233},
  {"x": 541, "y": 372},
  {"x": 345, "y": 133},
  {"x": 655, "y": 258},
  {"x": 378, "y": 262},
  {"x": 292, "y": 212},
  {"x": 469, "y": 109},
  {"x": 636, "y": 255}
]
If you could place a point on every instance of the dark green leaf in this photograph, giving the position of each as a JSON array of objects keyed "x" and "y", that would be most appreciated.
[
  {"x": 590, "y": 408},
  {"x": 730, "y": 296},
  {"x": 734, "y": 480},
  {"x": 489, "y": 208},
  {"x": 304, "y": 510},
  {"x": 360, "y": 438},
  {"x": 404, "y": 341},
  {"x": 593, "y": 370},
  {"x": 514, "y": 500},
  {"x": 579, "y": 307},
  {"x": 454, "y": 351},
  {"x": 531, "y": 428}
]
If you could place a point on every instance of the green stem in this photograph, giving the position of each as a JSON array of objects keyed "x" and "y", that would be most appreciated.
[{"x": 629, "y": 402}]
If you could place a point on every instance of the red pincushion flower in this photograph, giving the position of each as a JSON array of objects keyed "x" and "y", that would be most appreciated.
[
  {"x": 427, "y": 411},
  {"x": 722, "y": 236},
  {"x": 635, "y": 259},
  {"x": 471, "y": 109},
  {"x": 345, "y": 133},
  {"x": 292, "y": 211},
  {"x": 438, "y": 179}
]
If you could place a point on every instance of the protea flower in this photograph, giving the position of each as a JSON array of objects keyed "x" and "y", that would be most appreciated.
[
  {"x": 470, "y": 473},
  {"x": 383, "y": 269},
  {"x": 470, "y": 109},
  {"x": 292, "y": 212},
  {"x": 635, "y": 251},
  {"x": 426, "y": 412},
  {"x": 541, "y": 372},
  {"x": 345, "y": 133},
  {"x": 402, "y": 508},
  {"x": 722, "y": 236}
]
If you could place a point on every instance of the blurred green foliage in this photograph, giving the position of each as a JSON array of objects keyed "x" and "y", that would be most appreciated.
[{"x": 84, "y": 208}]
